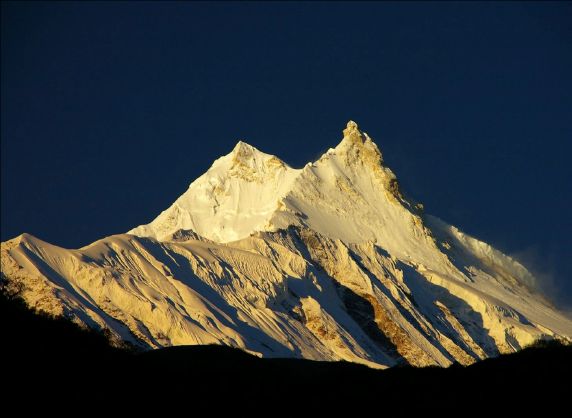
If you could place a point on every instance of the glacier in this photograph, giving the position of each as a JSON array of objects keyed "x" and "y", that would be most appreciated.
[{"x": 327, "y": 262}]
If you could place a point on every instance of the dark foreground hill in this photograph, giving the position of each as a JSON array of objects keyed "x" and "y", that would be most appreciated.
[{"x": 45, "y": 358}]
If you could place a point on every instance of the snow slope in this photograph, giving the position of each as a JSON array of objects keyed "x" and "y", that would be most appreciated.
[
  {"x": 326, "y": 262},
  {"x": 236, "y": 196}
]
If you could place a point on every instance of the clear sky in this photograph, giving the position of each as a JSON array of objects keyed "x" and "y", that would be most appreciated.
[{"x": 109, "y": 110}]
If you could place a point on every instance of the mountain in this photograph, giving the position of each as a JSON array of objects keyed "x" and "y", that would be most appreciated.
[{"x": 327, "y": 262}]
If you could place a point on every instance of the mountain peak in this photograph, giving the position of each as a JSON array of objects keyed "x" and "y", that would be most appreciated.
[
  {"x": 242, "y": 150},
  {"x": 356, "y": 145},
  {"x": 352, "y": 130},
  {"x": 245, "y": 157}
]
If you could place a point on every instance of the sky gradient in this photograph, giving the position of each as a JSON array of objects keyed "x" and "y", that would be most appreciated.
[{"x": 110, "y": 110}]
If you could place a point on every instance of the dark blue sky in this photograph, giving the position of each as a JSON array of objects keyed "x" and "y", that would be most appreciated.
[{"x": 110, "y": 110}]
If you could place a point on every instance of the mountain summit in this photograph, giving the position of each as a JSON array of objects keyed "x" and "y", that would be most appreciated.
[
  {"x": 235, "y": 197},
  {"x": 248, "y": 191},
  {"x": 327, "y": 262}
]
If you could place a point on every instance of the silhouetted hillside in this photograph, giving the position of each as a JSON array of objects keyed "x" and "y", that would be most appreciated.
[{"x": 44, "y": 357}]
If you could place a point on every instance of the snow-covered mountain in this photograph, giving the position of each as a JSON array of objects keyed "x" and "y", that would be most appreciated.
[{"x": 326, "y": 262}]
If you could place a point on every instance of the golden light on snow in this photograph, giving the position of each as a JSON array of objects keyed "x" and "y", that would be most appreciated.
[{"x": 326, "y": 262}]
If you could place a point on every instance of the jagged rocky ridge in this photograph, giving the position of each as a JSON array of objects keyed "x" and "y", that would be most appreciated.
[{"x": 326, "y": 262}]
